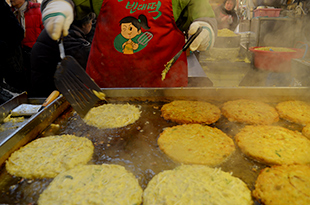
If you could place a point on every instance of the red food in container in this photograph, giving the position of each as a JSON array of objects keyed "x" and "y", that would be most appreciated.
[{"x": 275, "y": 61}]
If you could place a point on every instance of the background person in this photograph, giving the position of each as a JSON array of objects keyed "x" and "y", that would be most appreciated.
[
  {"x": 76, "y": 43},
  {"x": 167, "y": 20},
  {"x": 45, "y": 55},
  {"x": 29, "y": 16},
  {"x": 226, "y": 15},
  {"x": 10, "y": 51}
]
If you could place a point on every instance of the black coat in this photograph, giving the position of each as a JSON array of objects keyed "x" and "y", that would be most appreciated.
[
  {"x": 44, "y": 59},
  {"x": 11, "y": 35},
  {"x": 77, "y": 45},
  {"x": 45, "y": 56}
]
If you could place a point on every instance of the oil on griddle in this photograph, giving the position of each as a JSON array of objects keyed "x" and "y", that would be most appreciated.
[{"x": 134, "y": 146}]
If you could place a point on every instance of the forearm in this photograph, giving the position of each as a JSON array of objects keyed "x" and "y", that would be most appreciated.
[{"x": 194, "y": 10}]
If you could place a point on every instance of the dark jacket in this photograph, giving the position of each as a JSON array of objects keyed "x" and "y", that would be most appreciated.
[
  {"x": 45, "y": 56},
  {"x": 11, "y": 62},
  {"x": 77, "y": 45},
  {"x": 44, "y": 59}
]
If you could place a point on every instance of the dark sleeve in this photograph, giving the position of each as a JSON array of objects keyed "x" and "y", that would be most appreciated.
[
  {"x": 78, "y": 48},
  {"x": 44, "y": 60}
]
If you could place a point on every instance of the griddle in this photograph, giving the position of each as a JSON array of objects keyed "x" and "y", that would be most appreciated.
[{"x": 135, "y": 146}]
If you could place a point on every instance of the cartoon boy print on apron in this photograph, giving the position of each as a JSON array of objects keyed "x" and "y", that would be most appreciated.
[{"x": 133, "y": 41}]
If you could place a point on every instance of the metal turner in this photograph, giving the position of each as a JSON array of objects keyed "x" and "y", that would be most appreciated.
[
  {"x": 75, "y": 84},
  {"x": 175, "y": 58}
]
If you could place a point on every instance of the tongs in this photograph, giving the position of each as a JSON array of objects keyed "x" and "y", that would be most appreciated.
[
  {"x": 75, "y": 84},
  {"x": 175, "y": 58}
]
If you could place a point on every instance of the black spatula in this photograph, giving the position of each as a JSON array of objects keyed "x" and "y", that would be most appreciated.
[{"x": 75, "y": 84}]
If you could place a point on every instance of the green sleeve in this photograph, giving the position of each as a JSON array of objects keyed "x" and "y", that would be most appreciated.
[
  {"x": 191, "y": 10},
  {"x": 84, "y": 7}
]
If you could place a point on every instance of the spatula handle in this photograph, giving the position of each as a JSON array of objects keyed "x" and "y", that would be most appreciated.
[
  {"x": 191, "y": 39},
  {"x": 49, "y": 99},
  {"x": 61, "y": 48}
]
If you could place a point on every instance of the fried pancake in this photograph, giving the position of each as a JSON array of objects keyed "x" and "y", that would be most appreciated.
[
  {"x": 250, "y": 112},
  {"x": 93, "y": 184},
  {"x": 112, "y": 115},
  {"x": 196, "y": 144},
  {"x": 188, "y": 112},
  {"x": 294, "y": 111},
  {"x": 306, "y": 131},
  {"x": 196, "y": 184},
  {"x": 287, "y": 184},
  {"x": 48, "y": 156},
  {"x": 274, "y": 145}
]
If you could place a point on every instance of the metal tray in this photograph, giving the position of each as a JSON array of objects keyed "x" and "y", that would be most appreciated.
[{"x": 135, "y": 146}]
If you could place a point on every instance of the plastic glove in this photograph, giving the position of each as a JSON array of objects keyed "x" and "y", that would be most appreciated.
[
  {"x": 205, "y": 40},
  {"x": 57, "y": 18}
]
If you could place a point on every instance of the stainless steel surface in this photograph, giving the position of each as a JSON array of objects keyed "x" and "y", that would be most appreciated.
[
  {"x": 212, "y": 93},
  {"x": 41, "y": 120},
  {"x": 135, "y": 146},
  {"x": 194, "y": 67},
  {"x": 9, "y": 126},
  {"x": 6, "y": 108},
  {"x": 61, "y": 49},
  {"x": 300, "y": 71},
  {"x": 34, "y": 125},
  {"x": 275, "y": 31}
]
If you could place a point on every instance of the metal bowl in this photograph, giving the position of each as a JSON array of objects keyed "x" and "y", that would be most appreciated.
[{"x": 273, "y": 3}]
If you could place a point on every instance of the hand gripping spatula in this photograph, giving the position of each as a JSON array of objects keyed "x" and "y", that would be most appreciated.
[
  {"x": 175, "y": 58},
  {"x": 75, "y": 84}
]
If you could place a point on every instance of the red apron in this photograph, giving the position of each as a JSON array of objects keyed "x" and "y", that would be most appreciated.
[{"x": 134, "y": 39}]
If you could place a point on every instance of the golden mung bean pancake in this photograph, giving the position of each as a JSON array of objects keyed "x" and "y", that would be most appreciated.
[
  {"x": 306, "y": 131},
  {"x": 196, "y": 144},
  {"x": 186, "y": 112},
  {"x": 282, "y": 185},
  {"x": 196, "y": 184},
  {"x": 93, "y": 184},
  {"x": 274, "y": 145},
  {"x": 48, "y": 156},
  {"x": 112, "y": 115},
  {"x": 250, "y": 112},
  {"x": 294, "y": 111}
]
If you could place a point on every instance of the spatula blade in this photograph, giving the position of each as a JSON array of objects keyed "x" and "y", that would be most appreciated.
[{"x": 76, "y": 85}]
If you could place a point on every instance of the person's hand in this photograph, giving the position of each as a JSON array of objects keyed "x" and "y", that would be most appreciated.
[
  {"x": 224, "y": 18},
  {"x": 229, "y": 19},
  {"x": 205, "y": 40},
  {"x": 57, "y": 18}
]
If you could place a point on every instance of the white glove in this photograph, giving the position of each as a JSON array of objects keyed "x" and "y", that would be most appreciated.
[
  {"x": 57, "y": 18},
  {"x": 205, "y": 40}
]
